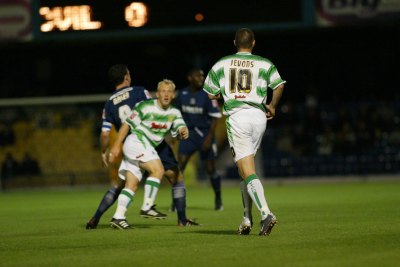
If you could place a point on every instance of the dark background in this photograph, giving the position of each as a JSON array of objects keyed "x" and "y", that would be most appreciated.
[{"x": 336, "y": 63}]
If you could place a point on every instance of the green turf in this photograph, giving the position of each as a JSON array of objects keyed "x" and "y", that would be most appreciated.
[{"x": 344, "y": 224}]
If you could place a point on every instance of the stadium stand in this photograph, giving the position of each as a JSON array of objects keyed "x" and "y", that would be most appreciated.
[
  {"x": 306, "y": 139},
  {"x": 64, "y": 150},
  {"x": 352, "y": 138}
]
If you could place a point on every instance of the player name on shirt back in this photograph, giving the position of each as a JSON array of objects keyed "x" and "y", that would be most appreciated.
[
  {"x": 242, "y": 63},
  {"x": 120, "y": 98}
]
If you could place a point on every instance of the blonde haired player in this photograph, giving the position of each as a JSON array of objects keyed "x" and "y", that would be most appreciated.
[
  {"x": 116, "y": 109},
  {"x": 148, "y": 124},
  {"x": 242, "y": 80}
]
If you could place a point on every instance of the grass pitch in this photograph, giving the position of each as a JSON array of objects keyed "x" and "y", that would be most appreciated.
[{"x": 341, "y": 224}]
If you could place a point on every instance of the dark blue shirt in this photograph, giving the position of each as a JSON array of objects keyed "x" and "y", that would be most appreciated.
[
  {"x": 118, "y": 107},
  {"x": 197, "y": 109}
]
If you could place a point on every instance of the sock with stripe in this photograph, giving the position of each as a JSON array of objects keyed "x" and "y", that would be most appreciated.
[
  {"x": 124, "y": 199},
  {"x": 247, "y": 202},
  {"x": 108, "y": 199},
  {"x": 179, "y": 199},
  {"x": 256, "y": 192},
  {"x": 150, "y": 192}
]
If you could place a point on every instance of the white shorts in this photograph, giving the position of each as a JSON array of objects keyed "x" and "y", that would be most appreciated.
[
  {"x": 136, "y": 151},
  {"x": 245, "y": 131}
]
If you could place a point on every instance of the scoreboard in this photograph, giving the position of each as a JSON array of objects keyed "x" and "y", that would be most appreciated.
[{"x": 158, "y": 16}]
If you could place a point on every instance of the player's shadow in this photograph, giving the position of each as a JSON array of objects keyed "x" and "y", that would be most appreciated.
[
  {"x": 200, "y": 208},
  {"x": 211, "y": 232},
  {"x": 146, "y": 225},
  {"x": 138, "y": 225},
  {"x": 187, "y": 208}
]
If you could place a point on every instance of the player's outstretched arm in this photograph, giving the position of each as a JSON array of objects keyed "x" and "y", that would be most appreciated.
[{"x": 116, "y": 148}]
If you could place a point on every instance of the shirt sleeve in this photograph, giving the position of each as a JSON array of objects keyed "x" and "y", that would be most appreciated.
[
  {"x": 274, "y": 79},
  {"x": 107, "y": 119},
  {"x": 147, "y": 95},
  {"x": 211, "y": 84}
]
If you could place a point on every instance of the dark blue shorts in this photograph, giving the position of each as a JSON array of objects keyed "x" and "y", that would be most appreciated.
[
  {"x": 195, "y": 142},
  {"x": 167, "y": 156}
]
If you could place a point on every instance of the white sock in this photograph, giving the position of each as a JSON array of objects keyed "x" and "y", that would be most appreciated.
[
  {"x": 256, "y": 192},
  {"x": 247, "y": 202},
  {"x": 150, "y": 192},
  {"x": 124, "y": 199}
]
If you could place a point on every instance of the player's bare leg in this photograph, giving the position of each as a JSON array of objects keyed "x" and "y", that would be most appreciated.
[{"x": 183, "y": 161}]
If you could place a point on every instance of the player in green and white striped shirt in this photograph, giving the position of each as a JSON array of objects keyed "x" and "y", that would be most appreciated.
[
  {"x": 242, "y": 80},
  {"x": 149, "y": 123}
]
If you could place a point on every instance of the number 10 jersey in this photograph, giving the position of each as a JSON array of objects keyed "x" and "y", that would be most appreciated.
[{"x": 242, "y": 79}]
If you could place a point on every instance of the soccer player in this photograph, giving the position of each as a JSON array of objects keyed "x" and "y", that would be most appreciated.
[
  {"x": 149, "y": 123},
  {"x": 115, "y": 111},
  {"x": 242, "y": 79},
  {"x": 201, "y": 115}
]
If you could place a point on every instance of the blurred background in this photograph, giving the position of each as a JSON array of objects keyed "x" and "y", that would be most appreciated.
[{"x": 339, "y": 116}]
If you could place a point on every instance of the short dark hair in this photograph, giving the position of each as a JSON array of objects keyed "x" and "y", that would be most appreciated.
[
  {"x": 244, "y": 38},
  {"x": 116, "y": 74}
]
